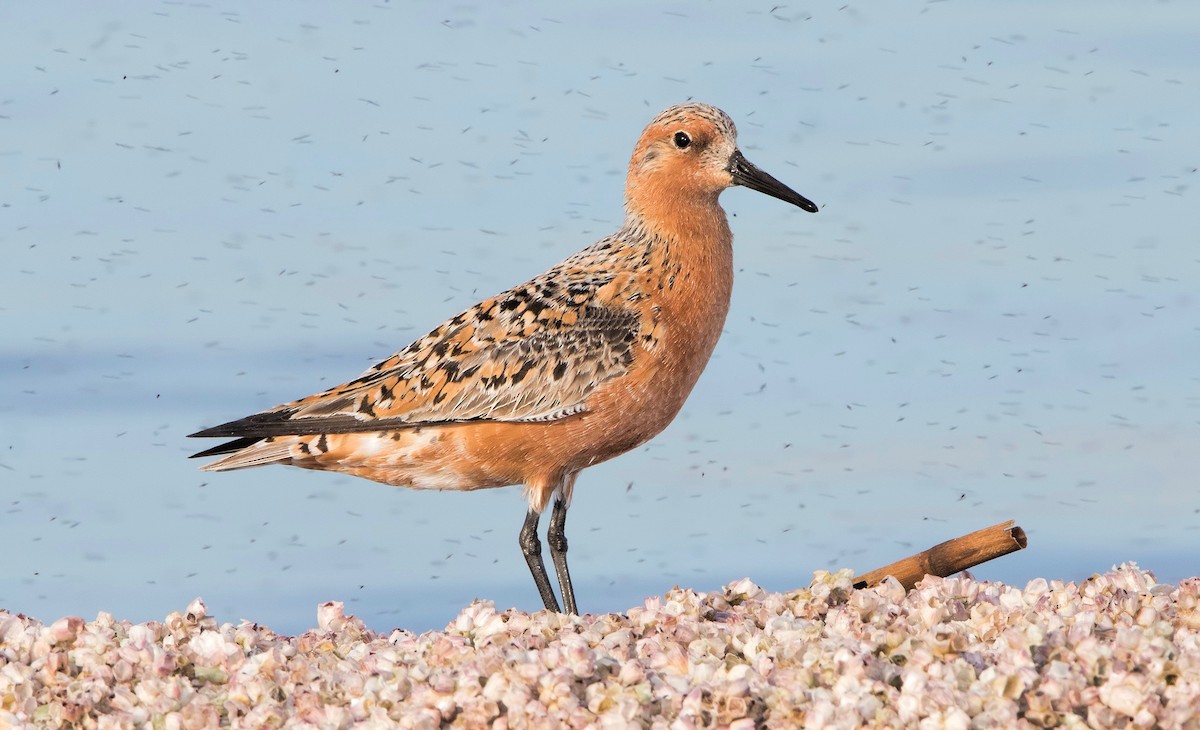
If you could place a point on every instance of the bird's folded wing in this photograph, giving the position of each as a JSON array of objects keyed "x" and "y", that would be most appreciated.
[{"x": 509, "y": 358}]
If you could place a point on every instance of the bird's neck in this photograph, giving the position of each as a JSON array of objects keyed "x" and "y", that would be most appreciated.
[
  {"x": 689, "y": 262},
  {"x": 693, "y": 249},
  {"x": 678, "y": 215}
]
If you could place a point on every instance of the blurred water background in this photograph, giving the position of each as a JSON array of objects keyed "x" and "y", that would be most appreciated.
[{"x": 210, "y": 208}]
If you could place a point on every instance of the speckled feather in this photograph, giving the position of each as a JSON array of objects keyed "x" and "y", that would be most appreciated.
[{"x": 532, "y": 353}]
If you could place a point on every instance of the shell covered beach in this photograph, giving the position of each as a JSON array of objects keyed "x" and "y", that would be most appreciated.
[{"x": 1116, "y": 650}]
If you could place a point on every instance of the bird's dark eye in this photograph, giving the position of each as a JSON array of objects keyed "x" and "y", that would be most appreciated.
[{"x": 682, "y": 140}]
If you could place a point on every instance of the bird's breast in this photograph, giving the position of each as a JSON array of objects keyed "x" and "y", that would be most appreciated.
[{"x": 683, "y": 301}]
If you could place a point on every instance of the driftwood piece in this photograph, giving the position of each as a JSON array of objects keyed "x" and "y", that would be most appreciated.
[{"x": 951, "y": 557}]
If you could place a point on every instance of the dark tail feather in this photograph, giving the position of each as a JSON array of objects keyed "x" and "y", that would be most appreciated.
[{"x": 228, "y": 447}]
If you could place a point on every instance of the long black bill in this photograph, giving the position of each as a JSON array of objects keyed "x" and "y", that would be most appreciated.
[{"x": 745, "y": 173}]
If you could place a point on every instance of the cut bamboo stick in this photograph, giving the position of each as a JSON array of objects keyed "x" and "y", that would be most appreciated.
[{"x": 951, "y": 557}]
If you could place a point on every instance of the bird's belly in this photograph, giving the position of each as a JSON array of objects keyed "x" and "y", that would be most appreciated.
[{"x": 426, "y": 457}]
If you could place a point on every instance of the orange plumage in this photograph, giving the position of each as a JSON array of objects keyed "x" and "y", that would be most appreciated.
[{"x": 580, "y": 364}]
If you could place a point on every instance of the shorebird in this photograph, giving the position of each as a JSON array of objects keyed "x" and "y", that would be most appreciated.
[{"x": 590, "y": 359}]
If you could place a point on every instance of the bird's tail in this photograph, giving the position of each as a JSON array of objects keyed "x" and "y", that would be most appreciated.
[{"x": 258, "y": 452}]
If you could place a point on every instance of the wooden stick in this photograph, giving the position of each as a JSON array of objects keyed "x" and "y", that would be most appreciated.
[{"x": 951, "y": 556}]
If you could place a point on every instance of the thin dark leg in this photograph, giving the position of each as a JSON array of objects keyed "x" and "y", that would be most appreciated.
[
  {"x": 532, "y": 548},
  {"x": 558, "y": 553}
]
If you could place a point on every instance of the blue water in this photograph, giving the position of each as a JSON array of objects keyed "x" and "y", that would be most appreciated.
[{"x": 210, "y": 209}]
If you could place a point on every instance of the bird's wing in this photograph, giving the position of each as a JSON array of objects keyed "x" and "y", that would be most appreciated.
[{"x": 533, "y": 353}]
